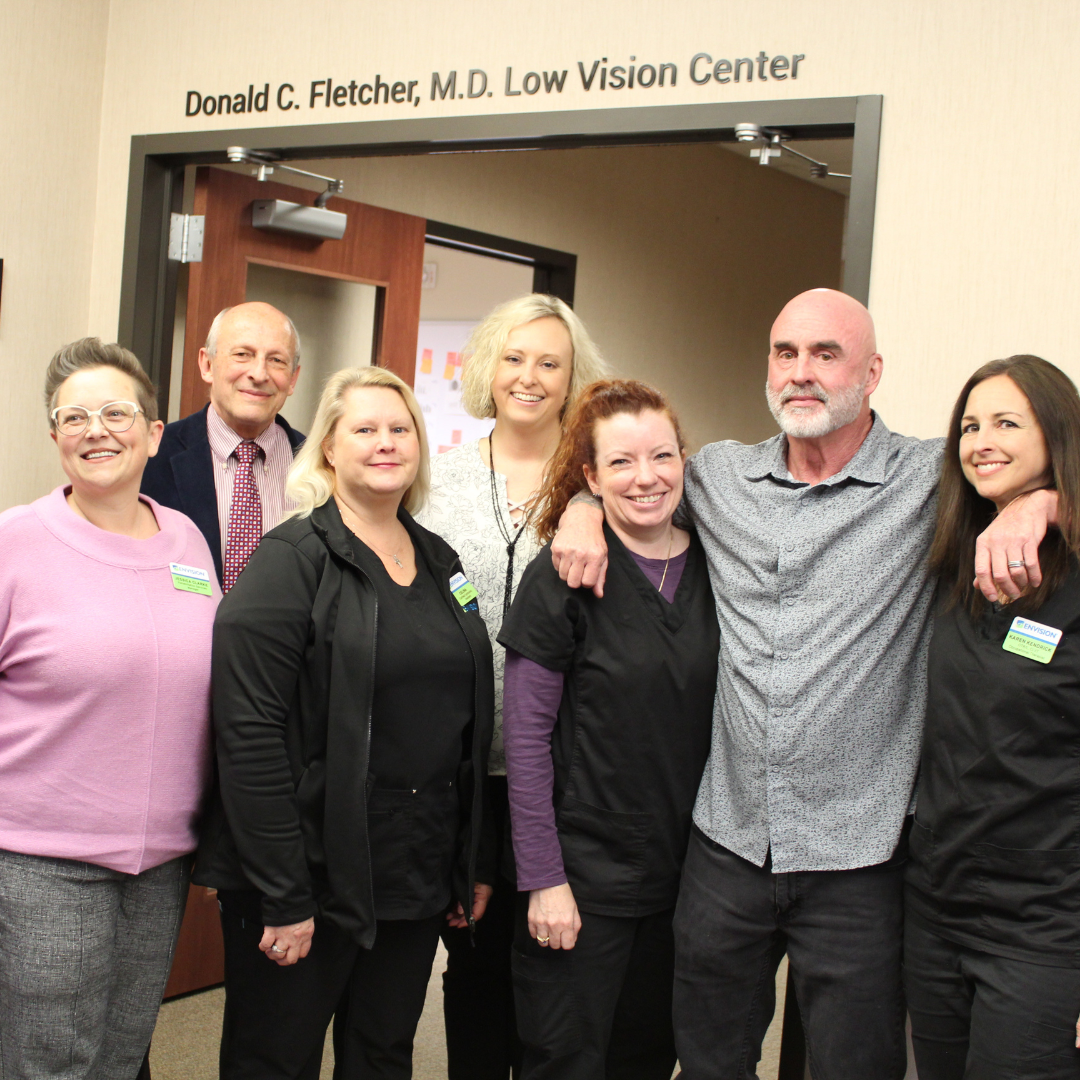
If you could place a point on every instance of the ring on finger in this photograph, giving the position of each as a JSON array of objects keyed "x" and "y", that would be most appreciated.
[
  {"x": 543, "y": 940},
  {"x": 274, "y": 948},
  {"x": 1014, "y": 564}
]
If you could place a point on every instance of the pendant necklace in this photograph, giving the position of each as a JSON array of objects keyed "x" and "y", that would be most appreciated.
[
  {"x": 671, "y": 540},
  {"x": 387, "y": 554},
  {"x": 520, "y": 527}
]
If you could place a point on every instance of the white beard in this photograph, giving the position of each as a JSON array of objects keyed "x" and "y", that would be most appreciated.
[{"x": 841, "y": 408}]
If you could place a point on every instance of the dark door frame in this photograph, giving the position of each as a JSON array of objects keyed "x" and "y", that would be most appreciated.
[
  {"x": 554, "y": 271},
  {"x": 156, "y": 171}
]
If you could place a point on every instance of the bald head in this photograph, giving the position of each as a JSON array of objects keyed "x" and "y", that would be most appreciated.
[
  {"x": 831, "y": 315},
  {"x": 257, "y": 311},
  {"x": 823, "y": 364}
]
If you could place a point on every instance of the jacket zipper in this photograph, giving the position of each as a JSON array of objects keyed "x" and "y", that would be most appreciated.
[
  {"x": 478, "y": 787},
  {"x": 370, "y": 706}
]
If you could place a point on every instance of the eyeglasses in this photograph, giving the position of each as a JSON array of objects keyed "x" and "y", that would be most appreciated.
[{"x": 117, "y": 416}]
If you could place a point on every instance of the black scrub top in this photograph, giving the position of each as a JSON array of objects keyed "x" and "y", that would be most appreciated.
[
  {"x": 995, "y": 846},
  {"x": 422, "y": 705},
  {"x": 634, "y": 724}
]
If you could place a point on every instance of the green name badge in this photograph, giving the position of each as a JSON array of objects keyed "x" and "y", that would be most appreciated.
[
  {"x": 463, "y": 589},
  {"x": 190, "y": 579},
  {"x": 1034, "y": 640}
]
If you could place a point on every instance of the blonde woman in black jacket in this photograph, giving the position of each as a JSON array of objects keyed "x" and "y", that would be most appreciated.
[{"x": 353, "y": 705}]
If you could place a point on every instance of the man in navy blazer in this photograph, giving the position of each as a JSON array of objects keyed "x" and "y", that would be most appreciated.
[{"x": 251, "y": 361}]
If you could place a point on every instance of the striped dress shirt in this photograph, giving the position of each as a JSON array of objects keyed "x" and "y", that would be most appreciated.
[{"x": 270, "y": 468}]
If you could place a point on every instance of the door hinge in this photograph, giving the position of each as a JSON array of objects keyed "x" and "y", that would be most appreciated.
[{"x": 186, "y": 237}]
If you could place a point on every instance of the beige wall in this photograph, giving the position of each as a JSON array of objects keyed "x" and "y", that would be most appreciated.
[
  {"x": 685, "y": 253},
  {"x": 977, "y": 225},
  {"x": 50, "y": 108}
]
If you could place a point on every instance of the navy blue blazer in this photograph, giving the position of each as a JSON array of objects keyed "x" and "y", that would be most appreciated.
[{"x": 181, "y": 475}]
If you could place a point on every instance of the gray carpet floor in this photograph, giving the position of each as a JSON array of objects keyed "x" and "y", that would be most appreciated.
[{"x": 188, "y": 1031}]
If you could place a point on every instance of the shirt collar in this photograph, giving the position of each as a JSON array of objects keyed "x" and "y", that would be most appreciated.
[
  {"x": 867, "y": 466},
  {"x": 224, "y": 441}
]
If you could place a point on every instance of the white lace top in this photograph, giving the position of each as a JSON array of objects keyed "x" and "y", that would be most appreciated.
[{"x": 460, "y": 510}]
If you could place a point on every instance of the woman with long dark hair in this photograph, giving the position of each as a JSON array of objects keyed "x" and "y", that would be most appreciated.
[
  {"x": 607, "y": 713},
  {"x": 992, "y": 942}
]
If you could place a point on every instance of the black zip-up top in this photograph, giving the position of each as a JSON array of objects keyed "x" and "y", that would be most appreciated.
[{"x": 293, "y": 680}]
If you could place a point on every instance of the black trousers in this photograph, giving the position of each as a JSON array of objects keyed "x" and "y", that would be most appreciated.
[
  {"x": 842, "y": 931},
  {"x": 599, "y": 1010},
  {"x": 976, "y": 1016},
  {"x": 478, "y": 995},
  {"x": 276, "y": 1017}
]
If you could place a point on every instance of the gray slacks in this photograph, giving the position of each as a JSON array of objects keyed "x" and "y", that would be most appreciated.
[{"x": 85, "y": 954}]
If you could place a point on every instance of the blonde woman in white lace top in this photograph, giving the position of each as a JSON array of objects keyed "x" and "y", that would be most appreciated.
[{"x": 522, "y": 365}]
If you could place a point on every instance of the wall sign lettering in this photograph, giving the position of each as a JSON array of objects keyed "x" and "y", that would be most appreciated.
[{"x": 594, "y": 76}]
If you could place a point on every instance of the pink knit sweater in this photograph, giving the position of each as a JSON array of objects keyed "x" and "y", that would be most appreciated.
[{"x": 104, "y": 688}]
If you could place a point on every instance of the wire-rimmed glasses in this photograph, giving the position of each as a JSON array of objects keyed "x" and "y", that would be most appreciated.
[{"x": 117, "y": 416}]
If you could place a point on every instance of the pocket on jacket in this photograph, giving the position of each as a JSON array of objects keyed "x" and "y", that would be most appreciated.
[
  {"x": 1015, "y": 879},
  {"x": 549, "y": 1016},
  {"x": 603, "y": 851},
  {"x": 390, "y": 838}
]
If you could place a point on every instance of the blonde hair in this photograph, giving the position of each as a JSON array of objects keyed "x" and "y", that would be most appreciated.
[
  {"x": 311, "y": 480},
  {"x": 487, "y": 343}
]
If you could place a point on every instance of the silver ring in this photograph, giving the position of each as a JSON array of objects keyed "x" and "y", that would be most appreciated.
[
  {"x": 1012, "y": 565},
  {"x": 274, "y": 948}
]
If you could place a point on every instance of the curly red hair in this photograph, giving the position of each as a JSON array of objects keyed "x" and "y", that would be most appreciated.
[{"x": 598, "y": 401}]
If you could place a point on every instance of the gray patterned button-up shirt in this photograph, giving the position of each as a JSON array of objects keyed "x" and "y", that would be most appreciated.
[{"x": 824, "y": 603}]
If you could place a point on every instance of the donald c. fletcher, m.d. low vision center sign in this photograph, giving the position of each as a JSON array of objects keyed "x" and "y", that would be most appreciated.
[{"x": 595, "y": 76}]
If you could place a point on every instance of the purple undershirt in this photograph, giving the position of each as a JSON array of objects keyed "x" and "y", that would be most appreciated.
[{"x": 531, "y": 697}]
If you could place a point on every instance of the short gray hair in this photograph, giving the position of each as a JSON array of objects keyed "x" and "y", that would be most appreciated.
[
  {"x": 215, "y": 329},
  {"x": 92, "y": 352},
  {"x": 485, "y": 346}
]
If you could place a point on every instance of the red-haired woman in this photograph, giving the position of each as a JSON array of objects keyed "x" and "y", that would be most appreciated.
[{"x": 607, "y": 712}]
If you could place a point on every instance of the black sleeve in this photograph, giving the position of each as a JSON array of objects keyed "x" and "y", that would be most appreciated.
[
  {"x": 260, "y": 636},
  {"x": 544, "y": 621}
]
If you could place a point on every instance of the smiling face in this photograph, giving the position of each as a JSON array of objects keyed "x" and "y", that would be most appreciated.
[
  {"x": 98, "y": 462},
  {"x": 638, "y": 473},
  {"x": 374, "y": 449},
  {"x": 1002, "y": 448},
  {"x": 823, "y": 364},
  {"x": 533, "y": 377},
  {"x": 251, "y": 372}
]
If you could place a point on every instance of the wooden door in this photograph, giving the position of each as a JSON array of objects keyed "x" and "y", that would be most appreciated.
[{"x": 381, "y": 248}]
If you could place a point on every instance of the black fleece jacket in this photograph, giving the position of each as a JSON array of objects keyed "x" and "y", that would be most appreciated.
[{"x": 293, "y": 666}]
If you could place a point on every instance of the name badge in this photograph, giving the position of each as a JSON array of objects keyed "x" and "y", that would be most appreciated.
[
  {"x": 463, "y": 589},
  {"x": 190, "y": 579},
  {"x": 1032, "y": 639}
]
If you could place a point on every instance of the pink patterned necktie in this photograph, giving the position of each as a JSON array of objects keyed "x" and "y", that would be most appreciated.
[{"x": 245, "y": 515}]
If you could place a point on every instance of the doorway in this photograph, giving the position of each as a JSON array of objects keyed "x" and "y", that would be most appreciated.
[{"x": 755, "y": 262}]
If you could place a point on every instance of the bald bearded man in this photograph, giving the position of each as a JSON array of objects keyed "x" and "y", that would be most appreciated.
[{"x": 817, "y": 542}]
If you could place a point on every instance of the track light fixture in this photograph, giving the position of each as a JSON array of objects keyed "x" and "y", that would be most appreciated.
[{"x": 774, "y": 143}]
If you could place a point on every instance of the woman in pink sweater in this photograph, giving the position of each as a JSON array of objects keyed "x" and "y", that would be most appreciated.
[{"x": 106, "y": 609}]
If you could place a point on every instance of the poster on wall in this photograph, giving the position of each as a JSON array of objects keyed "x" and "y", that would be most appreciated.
[{"x": 438, "y": 386}]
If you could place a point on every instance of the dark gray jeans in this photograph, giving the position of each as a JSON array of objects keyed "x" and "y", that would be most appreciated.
[
  {"x": 85, "y": 954},
  {"x": 843, "y": 934}
]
